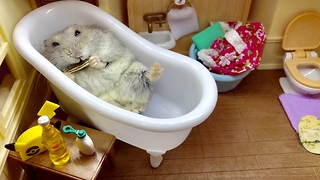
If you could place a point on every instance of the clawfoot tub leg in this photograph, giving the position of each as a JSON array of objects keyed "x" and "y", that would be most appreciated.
[{"x": 155, "y": 157}]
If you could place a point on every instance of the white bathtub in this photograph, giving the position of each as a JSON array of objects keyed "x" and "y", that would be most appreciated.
[{"x": 184, "y": 97}]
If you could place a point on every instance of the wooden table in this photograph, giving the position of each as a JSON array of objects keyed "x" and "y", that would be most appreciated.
[{"x": 80, "y": 166}]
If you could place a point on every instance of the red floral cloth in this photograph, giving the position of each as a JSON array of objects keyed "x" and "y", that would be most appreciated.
[{"x": 233, "y": 58}]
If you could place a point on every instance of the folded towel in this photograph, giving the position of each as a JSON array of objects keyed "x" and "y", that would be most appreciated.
[
  {"x": 182, "y": 21},
  {"x": 205, "y": 38}
]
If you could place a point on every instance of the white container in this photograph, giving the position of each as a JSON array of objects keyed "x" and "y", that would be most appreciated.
[
  {"x": 85, "y": 144},
  {"x": 83, "y": 141}
]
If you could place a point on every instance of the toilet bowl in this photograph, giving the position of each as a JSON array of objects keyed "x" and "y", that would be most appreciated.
[{"x": 301, "y": 64}]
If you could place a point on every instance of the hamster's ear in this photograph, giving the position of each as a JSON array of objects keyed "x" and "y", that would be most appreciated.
[{"x": 45, "y": 43}]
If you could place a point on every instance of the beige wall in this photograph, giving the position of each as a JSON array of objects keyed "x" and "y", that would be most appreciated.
[
  {"x": 287, "y": 10},
  {"x": 116, "y": 8},
  {"x": 14, "y": 9}
]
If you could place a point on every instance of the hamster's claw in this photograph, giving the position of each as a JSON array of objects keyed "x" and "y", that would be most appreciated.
[
  {"x": 155, "y": 72},
  {"x": 95, "y": 62}
]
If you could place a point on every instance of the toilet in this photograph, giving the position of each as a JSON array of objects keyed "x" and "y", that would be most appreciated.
[{"x": 302, "y": 64}]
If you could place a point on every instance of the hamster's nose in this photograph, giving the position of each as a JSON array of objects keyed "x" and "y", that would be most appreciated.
[{"x": 77, "y": 53}]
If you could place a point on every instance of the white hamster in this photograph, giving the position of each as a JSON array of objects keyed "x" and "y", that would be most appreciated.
[{"x": 113, "y": 74}]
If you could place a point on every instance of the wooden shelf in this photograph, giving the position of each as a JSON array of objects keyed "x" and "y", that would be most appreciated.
[{"x": 80, "y": 166}]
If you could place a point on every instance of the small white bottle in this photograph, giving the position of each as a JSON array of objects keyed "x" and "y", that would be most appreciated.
[{"x": 83, "y": 141}]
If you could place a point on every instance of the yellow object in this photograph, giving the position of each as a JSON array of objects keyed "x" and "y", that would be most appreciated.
[
  {"x": 53, "y": 142},
  {"x": 48, "y": 109},
  {"x": 309, "y": 133},
  {"x": 301, "y": 36},
  {"x": 29, "y": 143}
]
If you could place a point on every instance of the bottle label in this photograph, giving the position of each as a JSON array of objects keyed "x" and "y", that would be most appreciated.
[{"x": 56, "y": 146}]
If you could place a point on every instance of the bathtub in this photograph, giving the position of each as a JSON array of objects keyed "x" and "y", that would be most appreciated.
[{"x": 185, "y": 95}]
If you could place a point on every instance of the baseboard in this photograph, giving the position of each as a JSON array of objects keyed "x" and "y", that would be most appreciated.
[{"x": 270, "y": 66}]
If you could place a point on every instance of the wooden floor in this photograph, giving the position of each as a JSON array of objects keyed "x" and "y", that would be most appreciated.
[{"x": 248, "y": 136}]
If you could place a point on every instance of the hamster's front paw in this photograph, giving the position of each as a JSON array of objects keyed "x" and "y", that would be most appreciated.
[
  {"x": 95, "y": 62},
  {"x": 70, "y": 75},
  {"x": 155, "y": 72}
]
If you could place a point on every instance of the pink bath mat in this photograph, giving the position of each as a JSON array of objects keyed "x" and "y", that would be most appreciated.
[{"x": 297, "y": 106}]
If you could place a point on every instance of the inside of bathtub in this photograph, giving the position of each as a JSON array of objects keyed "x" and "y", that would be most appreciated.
[{"x": 162, "y": 108}]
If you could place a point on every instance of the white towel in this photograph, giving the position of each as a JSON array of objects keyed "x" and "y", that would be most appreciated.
[{"x": 182, "y": 21}]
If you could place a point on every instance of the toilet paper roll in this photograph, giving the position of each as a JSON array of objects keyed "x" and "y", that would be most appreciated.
[{"x": 182, "y": 21}]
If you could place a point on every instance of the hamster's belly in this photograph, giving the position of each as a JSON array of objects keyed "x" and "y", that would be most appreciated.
[{"x": 96, "y": 82}]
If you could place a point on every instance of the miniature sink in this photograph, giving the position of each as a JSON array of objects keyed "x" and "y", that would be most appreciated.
[{"x": 163, "y": 39}]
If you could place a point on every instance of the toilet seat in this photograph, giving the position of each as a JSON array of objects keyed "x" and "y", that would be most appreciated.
[
  {"x": 302, "y": 34},
  {"x": 292, "y": 66}
]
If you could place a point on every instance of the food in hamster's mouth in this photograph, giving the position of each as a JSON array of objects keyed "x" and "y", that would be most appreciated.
[{"x": 72, "y": 68}]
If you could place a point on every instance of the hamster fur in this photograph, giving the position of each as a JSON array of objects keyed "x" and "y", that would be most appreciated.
[{"x": 113, "y": 74}]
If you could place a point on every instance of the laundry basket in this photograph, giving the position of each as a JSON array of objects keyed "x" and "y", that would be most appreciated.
[{"x": 224, "y": 82}]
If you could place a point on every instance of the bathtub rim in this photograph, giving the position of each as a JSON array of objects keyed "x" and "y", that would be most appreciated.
[{"x": 190, "y": 119}]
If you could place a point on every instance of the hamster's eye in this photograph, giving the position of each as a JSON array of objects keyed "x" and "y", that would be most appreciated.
[
  {"x": 76, "y": 33},
  {"x": 54, "y": 44}
]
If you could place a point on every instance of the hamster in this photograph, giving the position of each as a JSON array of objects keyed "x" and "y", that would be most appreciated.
[{"x": 113, "y": 74}]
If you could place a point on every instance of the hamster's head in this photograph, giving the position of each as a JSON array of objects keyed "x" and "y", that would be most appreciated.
[{"x": 69, "y": 46}]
